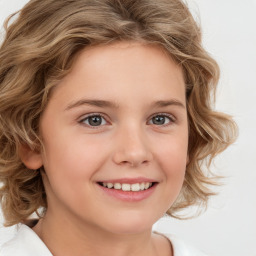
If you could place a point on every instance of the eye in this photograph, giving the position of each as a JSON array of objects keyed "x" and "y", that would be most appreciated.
[
  {"x": 162, "y": 119},
  {"x": 94, "y": 120}
]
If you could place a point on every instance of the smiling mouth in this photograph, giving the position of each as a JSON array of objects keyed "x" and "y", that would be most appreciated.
[{"x": 135, "y": 187}]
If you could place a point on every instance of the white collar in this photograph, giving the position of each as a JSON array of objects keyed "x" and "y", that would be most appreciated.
[
  {"x": 180, "y": 248},
  {"x": 25, "y": 243}
]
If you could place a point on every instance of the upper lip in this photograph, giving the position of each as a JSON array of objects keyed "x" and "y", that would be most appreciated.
[{"x": 129, "y": 180}]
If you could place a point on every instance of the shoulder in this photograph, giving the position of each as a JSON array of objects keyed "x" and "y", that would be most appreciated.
[
  {"x": 25, "y": 243},
  {"x": 180, "y": 248}
]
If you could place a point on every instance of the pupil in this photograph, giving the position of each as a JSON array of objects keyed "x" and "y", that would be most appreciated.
[
  {"x": 159, "y": 120},
  {"x": 95, "y": 120}
]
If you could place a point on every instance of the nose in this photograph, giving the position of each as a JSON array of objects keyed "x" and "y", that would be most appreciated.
[{"x": 132, "y": 147}]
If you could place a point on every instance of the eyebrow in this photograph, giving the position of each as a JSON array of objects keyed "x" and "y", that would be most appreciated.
[
  {"x": 166, "y": 103},
  {"x": 109, "y": 104},
  {"x": 96, "y": 103}
]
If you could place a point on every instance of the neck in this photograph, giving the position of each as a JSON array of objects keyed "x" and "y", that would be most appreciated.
[{"x": 64, "y": 238}]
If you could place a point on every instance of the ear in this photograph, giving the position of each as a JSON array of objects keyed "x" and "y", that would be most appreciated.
[{"x": 32, "y": 159}]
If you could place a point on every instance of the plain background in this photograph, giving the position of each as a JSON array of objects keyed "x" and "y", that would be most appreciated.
[{"x": 228, "y": 227}]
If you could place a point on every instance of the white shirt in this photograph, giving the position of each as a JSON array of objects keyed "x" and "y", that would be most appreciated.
[{"x": 27, "y": 243}]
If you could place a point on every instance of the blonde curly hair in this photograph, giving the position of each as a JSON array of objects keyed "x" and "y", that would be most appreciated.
[{"x": 38, "y": 51}]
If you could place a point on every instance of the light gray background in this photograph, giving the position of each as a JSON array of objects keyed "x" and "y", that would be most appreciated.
[{"x": 228, "y": 228}]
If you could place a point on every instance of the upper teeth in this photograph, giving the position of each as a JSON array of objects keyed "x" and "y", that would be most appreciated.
[{"x": 128, "y": 187}]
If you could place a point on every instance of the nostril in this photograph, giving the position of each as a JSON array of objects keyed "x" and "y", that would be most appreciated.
[{"x": 132, "y": 155}]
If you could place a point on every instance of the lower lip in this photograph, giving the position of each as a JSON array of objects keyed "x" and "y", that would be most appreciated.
[{"x": 129, "y": 196}]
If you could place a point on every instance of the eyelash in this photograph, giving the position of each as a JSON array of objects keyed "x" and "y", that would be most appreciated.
[
  {"x": 171, "y": 118},
  {"x": 82, "y": 121}
]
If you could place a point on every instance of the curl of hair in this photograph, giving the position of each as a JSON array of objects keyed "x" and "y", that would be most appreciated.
[{"x": 38, "y": 51}]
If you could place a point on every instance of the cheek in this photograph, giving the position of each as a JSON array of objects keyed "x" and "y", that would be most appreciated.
[
  {"x": 75, "y": 159},
  {"x": 69, "y": 169},
  {"x": 173, "y": 151},
  {"x": 172, "y": 155}
]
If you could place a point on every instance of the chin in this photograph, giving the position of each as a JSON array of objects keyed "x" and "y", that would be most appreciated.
[
  {"x": 129, "y": 230},
  {"x": 133, "y": 224}
]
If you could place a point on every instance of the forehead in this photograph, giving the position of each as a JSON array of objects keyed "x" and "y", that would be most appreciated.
[
  {"x": 122, "y": 68},
  {"x": 127, "y": 56}
]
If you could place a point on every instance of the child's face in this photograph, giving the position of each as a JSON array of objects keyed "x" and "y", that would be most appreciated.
[{"x": 118, "y": 117}]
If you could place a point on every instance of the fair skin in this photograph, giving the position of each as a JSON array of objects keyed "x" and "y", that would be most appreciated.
[{"x": 119, "y": 116}]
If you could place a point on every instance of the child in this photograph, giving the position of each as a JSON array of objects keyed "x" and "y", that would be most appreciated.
[{"x": 105, "y": 120}]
